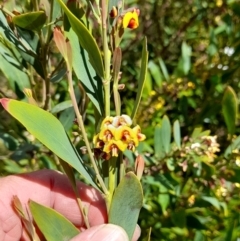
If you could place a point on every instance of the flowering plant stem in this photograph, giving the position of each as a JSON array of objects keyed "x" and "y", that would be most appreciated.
[
  {"x": 107, "y": 57},
  {"x": 106, "y": 84},
  {"x": 82, "y": 128},
  {"x": 112, "y": 177}
]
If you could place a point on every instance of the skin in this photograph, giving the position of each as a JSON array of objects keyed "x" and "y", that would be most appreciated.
[{"x": 52, "y": 189}]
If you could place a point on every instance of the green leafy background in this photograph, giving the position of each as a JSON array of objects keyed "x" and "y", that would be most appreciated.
[{"x": 191, "y": 91}]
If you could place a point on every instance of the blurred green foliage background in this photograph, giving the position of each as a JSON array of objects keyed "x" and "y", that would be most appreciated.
[{"x": 189, "y": 112}]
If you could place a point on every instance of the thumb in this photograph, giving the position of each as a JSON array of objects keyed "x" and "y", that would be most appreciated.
[{"x": 103, "y": 232}]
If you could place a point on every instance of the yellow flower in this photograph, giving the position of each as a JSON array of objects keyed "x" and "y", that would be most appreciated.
[
  {"x": 137, "y": 131},
  {"x": 107, "y": 121},
  {"x": 113, "y": 147},
  {"x": 130, "y": 20},
  {"x": 191, "y": 200},
  {"x": 107, "y": 133},
  {"x": 124, "y": 133}
]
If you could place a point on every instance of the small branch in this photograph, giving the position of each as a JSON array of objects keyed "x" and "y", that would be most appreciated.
[
  {"x": 106, "y": 54},
  {"x": 82, "y": 128}
]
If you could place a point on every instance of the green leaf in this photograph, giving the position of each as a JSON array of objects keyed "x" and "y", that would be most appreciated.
[
  {"x": 177, "y": 133},
  {"x": 232, "y": 225},
  {"x": 230, "y": 109},
  {"x": 212, "y": 200},
  {"x": 9, "y": 36},
  {"x": 163, "y": 198},
  {"x": 166, "y": 134},
  {"x": 197, "y": 132},
  {"x": 58, "y": 76},
  {"x": 61, "y": 106},
  {"x": 67, "y": 118},
  {"x": 48, "y": 130},
  {"x": 52, "y": 224},
  {"x": 158, "y": 145},
  {"x": 164, "y": 69},
  {"x": 155, "y": 73},
  {"x": 85, "y": 73},
  {"x": 234, "y": 145},
  {"x": 126, "y": 204},
  {"x": 31, "y": 21},
  {"x": 86, "y": 40},
  {"x": 12, "y": 68},
  {"x": 160, "y": 181},
  {"x": 186, "y": 58},
  {"x": 199, "y": 236},
  {"x": 142, "y": 78},
  {"x": 32, "y": 39}
]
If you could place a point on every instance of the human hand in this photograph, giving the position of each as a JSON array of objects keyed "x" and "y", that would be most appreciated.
[{"x": 52, "y": 189}]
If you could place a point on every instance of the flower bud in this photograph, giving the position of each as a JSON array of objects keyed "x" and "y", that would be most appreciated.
[
  {"x": 114, "y": 12},
  {"x": 139, "y": 166}
]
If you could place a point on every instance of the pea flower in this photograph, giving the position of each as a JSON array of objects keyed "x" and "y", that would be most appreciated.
[
  {"x": 130, "y": 19},
  {"x": 116, "y": 135}
]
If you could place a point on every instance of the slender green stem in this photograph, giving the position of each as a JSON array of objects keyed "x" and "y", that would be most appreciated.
[
  {"x": 47, "y": 95},
  {"x": 6, "y": 11},
  {"x": 45, "y": 47},
  {"x": 82, "y": 128},
  {"x": 112, "y": 177},
  {"x": 35, "y": 5},
  {"x": 69, "y": 171},
  {"x": 82, "y": 209},
  {"x": 107, "y": 56},
  {"x": 49, "y": 31},
  {"x": 116, "y": 98}
]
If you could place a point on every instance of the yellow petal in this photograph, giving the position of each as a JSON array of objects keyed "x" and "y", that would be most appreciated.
[
  {"x": 112, "y": 144},
  {"x": 137, "y": 131},
  {"x": 130, "y": 20},
  {"x": 107, "y": 133},
  {"x": 123, "y": 133},
  {"x": 107, "y": 121}
]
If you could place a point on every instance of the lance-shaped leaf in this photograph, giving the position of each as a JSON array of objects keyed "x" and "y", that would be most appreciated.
[
  {"x": 48, "y": 130},
  {"x": 30, "y": 21},
  {"x": 166, "y": 134},
  {"x": 63, "y": 46},
  {"x": 85, "y": 72},
  {"x": 139, "y": 166},
  {"x": 86, "y": 40},
  {"x": 177, "y": 133},
  {"x": 126, "y": 203},
  {"x": 52, "y": 224},
  {"x": 8, "y": 35},
  {"x": 142, "y": 78},
  {"x": 230, "y": 109}
]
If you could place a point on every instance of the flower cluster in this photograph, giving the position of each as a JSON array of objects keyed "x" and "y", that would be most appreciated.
[
  {"x": 117, "y": 135},
  {"x": 207, "y": 146}
]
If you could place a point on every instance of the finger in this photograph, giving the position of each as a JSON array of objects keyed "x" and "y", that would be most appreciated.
[
  {"x": 104, "y": 232},
  {"x": 49, "y": 188}
]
